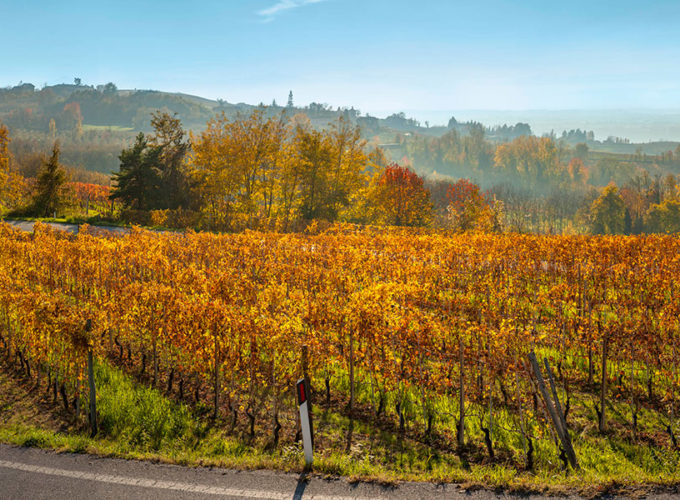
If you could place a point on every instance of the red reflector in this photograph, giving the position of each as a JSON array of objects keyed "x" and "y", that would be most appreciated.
[{"x": 303, "y": 397}]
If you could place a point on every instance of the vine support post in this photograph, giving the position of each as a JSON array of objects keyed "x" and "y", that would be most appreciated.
[
  {"x": 461, "y": 393},
  {"x": 602, "y": 424},
  {"x": 93, "y": 393},
  {"x": 93, "y": 390},
  {"x": 562, "y": 432}
]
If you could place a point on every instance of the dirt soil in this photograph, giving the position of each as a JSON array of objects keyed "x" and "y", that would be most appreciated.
[{"x": 21, "y": 402}]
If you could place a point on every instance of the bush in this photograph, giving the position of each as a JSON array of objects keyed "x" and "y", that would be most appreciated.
[{"x": 139, "y": 217}]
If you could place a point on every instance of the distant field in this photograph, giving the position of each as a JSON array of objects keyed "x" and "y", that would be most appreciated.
[{"x": 114, "y": 128}]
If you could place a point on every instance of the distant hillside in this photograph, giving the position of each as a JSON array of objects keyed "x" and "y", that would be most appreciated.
[
  {"x": 95, "y": 123},
  {"x": 25, "y": 107}
]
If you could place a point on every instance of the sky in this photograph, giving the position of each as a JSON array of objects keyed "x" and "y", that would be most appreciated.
[{"x": 379, "y": 56}]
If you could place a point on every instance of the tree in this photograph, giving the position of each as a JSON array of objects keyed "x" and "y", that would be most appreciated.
[
  {"x": 136, "y": 184},
  {"x": 534, "y": 159},
  {"x": 238, "y": 166},
  {"x": 577, "y": 171},
  {"x": 608, "y": 212},
  {"x": 77, "y": 82},
  {"x": 50, "y": 194},
  {"x": 664, "y": 217},
  {"x": 330, "y": 168},
  {"x": 469, "y": 208},
  {"x": 314, "y": 162},
  {"x": 13, "y": 186},
  {"x": 398, "y": 197},
  {"x": 348, "y": 175},
  {"x": 290, "y": 99},
  {"x": 169, "y": 139},
  {"x": 581, "y": 151},
  {"x": 152, "y": 173}
]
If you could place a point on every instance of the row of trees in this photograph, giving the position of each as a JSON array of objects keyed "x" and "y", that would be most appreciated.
[
  {"x": 273, "y": 172},
  {"x": 611, "y": 212},
  {"x": 50, "y": 190},
  {"x": 262, "y": 171},
  {"x": 538, "y": 164}
]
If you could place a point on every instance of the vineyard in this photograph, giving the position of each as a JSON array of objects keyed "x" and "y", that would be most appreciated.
[{"x": 428, "y": 335}]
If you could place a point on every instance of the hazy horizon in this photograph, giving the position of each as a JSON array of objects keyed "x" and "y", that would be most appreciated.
[{"x": 637, "y": 125}]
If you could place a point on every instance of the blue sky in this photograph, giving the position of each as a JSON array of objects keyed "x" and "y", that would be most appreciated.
[{"x": 377, "y": 55}]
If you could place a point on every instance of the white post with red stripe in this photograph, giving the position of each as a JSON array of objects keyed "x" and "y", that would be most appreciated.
[{"x": 305, "y": 406}]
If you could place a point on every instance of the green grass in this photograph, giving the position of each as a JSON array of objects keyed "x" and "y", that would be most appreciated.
[{"x": 139, "y": 422}]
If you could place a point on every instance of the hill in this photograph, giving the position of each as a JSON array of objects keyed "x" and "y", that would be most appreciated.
[{"x": 94, "y": 124}]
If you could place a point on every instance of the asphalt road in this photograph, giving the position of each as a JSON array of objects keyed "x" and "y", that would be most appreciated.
[
  {"x": 71, "y": 228},
  {"x": 31, "y": 473}
]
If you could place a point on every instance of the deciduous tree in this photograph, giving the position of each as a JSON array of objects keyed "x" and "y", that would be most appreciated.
[
  {"x": 664, "y": 217},
  {"x": 399, "y": 197},
  {"x": 608, "y": 212},
  {"x": 469, "y": 208}
]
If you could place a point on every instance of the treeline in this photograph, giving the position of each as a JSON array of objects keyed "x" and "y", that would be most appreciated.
[
  {"x": 93, "y": 152},
  {"x": 275, "y": 172},
  {"x": 67, "y": 107},
  {"x": 44, "y": 187},
  {"x": 267, "y": 172},
  {"x": 264, "y": 172}
]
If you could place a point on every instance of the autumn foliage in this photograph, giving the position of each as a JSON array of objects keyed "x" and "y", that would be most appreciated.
[
  {"x": 400, "y": 198},
  {"x": 469, "y": 208}
]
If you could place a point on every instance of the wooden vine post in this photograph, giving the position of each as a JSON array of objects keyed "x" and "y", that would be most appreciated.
[
  {"x": 93, "y": 392},
  {"x": 557, "y": 419}
]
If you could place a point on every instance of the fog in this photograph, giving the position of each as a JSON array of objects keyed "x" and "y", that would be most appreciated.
[{"x": 636, "y": 125}]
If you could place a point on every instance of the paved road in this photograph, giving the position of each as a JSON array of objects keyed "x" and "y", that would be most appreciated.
[
  {"x": 71, "y": 228},
  {"x": 32, "y": 473}
]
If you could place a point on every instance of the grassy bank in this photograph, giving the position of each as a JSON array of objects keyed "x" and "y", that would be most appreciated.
[{"x": 141, "y": 423}]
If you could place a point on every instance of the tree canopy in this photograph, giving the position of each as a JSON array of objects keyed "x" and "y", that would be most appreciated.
[
  {"x": 153, "y": 174},
  {"x": 608, "y": 212}
]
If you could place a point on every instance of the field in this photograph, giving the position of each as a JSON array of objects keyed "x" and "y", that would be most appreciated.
[
  {"x": 417, "y": 346},
  {"x": 110, "y": 128}
]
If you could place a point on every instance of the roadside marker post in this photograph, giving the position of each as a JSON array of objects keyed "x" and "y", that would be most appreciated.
[{"x": 305, "y": 406}]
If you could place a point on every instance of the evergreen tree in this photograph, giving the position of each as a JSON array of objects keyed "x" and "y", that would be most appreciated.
[
  {"x": 152, "y": 172},
  {"x": 49, "y": 194},
  {"x": 137, "y": 182},
  {"x": 169, "y": 139},
  {"x": 290, "y": 99}
]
